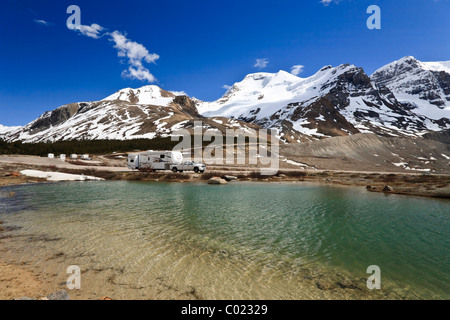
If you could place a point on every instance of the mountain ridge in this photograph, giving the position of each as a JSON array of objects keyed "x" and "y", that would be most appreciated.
[{"x": 404, "y": 98}]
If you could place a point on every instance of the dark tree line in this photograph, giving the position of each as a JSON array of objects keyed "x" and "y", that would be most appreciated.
[{"x": 85, "y": 146}]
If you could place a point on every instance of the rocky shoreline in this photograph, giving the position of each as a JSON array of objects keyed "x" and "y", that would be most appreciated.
[{"x": 427, "y": 185}]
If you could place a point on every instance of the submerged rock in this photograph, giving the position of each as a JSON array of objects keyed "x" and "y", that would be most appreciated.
[
  {"x": 349, "y": 284},
  {"x": 326, "y": 285}
]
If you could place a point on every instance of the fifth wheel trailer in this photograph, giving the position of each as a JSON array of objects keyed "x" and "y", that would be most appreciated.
[
  {"x": 154, "y": 160},
  {"x": 163, "y": 160}
]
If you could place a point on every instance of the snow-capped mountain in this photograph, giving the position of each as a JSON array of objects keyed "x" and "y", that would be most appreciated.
[
  {"x": 335, "y": 101},
  {"x": 147, "y": 112},
  {"x": 404, "y": 98},
  {"x": 423, "y": 87}
]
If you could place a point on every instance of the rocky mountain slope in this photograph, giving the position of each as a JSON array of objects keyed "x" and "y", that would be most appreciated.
[
  {"x": 405, "y": 98},
  {"x": 369, "y": 152}
]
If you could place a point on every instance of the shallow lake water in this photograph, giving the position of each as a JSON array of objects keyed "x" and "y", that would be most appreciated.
[{"x": 244, "y": 240}]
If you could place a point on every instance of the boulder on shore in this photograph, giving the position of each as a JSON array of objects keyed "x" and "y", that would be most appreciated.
[
  {"x": 60, "y": 295},
  {"x": 217, "y": 180},
  {"x": 230, "y": 178},
  {"x": 388, "y": 188},
  {"x": 13, "y": 174}
]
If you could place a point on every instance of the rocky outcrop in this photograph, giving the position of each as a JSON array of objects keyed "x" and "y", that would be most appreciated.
[
  {"x": 54, "y": 118},
  {"x": 187, "y": 105}
]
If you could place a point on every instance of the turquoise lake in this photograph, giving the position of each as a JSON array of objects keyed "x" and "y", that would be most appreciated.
[{"x": 243, "y": 240}]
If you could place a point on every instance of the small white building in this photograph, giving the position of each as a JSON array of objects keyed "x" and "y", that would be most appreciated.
[
  {"x": 62, "y": 157},
  {"x": 85, "y": 157},
  {"x": 51, "y": 156},
  {"x": 74, "y": 156}
]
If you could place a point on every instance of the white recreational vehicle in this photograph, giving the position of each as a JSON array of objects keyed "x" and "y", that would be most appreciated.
[{"x": 162, "y": 160}]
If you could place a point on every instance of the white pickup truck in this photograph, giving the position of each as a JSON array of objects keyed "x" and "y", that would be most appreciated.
[{"x": 189, "y": 166}]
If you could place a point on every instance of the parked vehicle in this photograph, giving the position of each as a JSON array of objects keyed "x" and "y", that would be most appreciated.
[
  {"x": 189, "y": 166},
  {"x": 154, "y": 160},
  {"x": 163, "y": 160}
]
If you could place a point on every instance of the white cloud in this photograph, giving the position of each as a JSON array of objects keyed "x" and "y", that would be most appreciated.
[
  {"x": 297, "y": 69},
  {"x": 135, "y": 52},
  {"x": 92, "y": 31},
  {"x": 261, "y": 63},
  {"x": 227, "y": 87},
  {"x": 179, "y": 93},
  {"x": 139, "y": 73},
  {"x": 326, "y": 2},
  {"x": 42, "y": 22}
]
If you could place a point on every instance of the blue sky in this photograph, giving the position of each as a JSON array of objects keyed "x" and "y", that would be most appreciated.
[{"x": 196, "y": 46}]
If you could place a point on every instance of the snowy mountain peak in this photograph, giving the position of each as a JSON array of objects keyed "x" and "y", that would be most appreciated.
[
  {"x": 408, "y": 63},
  {"x": 407, "y": 59},
  {"x": 423, "y": 87},
  {"x": 324, "y": 68},
  {"x": 403, "y": 65},
  {"x": 259, "y": 95},
  {"x": 151, "y": 95},
  {"x": 4, "y": 129}
]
